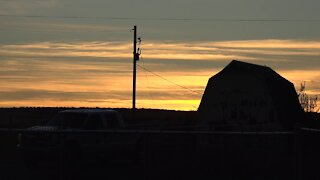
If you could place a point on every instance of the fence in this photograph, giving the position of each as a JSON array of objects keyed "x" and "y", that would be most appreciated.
[{"x": 156, "y": 154}]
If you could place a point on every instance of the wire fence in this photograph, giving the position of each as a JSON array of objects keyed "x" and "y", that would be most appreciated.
[{"x": 158, "y": 154}]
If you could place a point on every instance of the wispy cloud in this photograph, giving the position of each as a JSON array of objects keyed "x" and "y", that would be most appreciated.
[
  {"x": 99, "y": 73},
  {"x": 248, "y": 50},
  {"x": 112, "y": 50},
  {"x": 24, "y": 6},
  {"x": 58, "y": 26},
  {"x": 269, "y": 44}
]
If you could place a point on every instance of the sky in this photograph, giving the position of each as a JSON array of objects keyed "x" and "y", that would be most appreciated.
[{"x": 79, "y": 53}]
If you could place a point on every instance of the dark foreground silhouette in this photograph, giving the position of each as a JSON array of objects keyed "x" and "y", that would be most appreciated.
[{"x": 249, "y": 126}]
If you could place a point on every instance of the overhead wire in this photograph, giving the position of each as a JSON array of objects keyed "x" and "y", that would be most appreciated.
[
  {"x": 163, "y": 19},
  {"x": 148, "y": 84},
  {"x": 39, "y": 30},
  {"x": 155, "y": 74}
]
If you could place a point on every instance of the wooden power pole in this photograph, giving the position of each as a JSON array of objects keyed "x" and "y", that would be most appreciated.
[{"x": 135, "y": 58}]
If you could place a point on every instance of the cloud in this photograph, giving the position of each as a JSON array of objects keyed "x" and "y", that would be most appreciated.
[
  {"x": 120, "y": 98},
  {"x": 268, "y": 44},
  {"x": 41, "y": 25},
  {"x": 16, "y": 7},
  {"x": 310, "y": 77},
  {"x": 97, "y": 73},
  {"x": 110, "y": 50},
  {"x": 225, "y": 50}
]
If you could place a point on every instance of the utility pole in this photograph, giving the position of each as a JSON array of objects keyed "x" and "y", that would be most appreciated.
[
  {"x": 136, "y": 57},
  {"x": 134, "y": 69}
]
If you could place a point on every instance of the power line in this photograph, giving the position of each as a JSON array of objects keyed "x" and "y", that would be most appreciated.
[
  {"x": 148, "y": 86},
  {"x": 60, "y": 30},
  {"x": 163, "y": 19},
  {"x": 183, "y": 87}
]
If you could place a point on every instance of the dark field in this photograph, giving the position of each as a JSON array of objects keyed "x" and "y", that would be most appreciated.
[
  {"x": 171, "y": 154},
  {"x": 147, "y": 118}
]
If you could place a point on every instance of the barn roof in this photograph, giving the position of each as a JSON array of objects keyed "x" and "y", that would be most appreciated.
[{"x": 236, "y": 67}]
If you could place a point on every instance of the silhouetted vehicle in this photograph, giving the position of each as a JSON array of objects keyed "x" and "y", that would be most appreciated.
[{"x": 79, "y": 135}]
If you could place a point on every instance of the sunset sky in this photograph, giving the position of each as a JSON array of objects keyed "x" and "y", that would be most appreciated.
[{"x": 79, "y": 52}]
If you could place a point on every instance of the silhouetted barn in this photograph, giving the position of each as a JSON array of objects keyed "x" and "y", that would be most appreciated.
[{"x": 246, "y": 96}]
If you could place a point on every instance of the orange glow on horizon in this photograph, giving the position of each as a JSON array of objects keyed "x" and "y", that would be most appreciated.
[{"x": 99, "y": 74}]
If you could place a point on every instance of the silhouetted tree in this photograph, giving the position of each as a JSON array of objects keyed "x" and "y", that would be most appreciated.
[{"x": 308, "y": 103}]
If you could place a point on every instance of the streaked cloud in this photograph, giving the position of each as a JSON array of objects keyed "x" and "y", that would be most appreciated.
[
  {"x": 97, "y": 73},
  {"x": 58, "y": 26},
  {"x": 247, "y": 50},
  {"x": 269, "y": 44},
  {"x": 24, "y": 6},
  {"x": 112, "y": 50}
]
